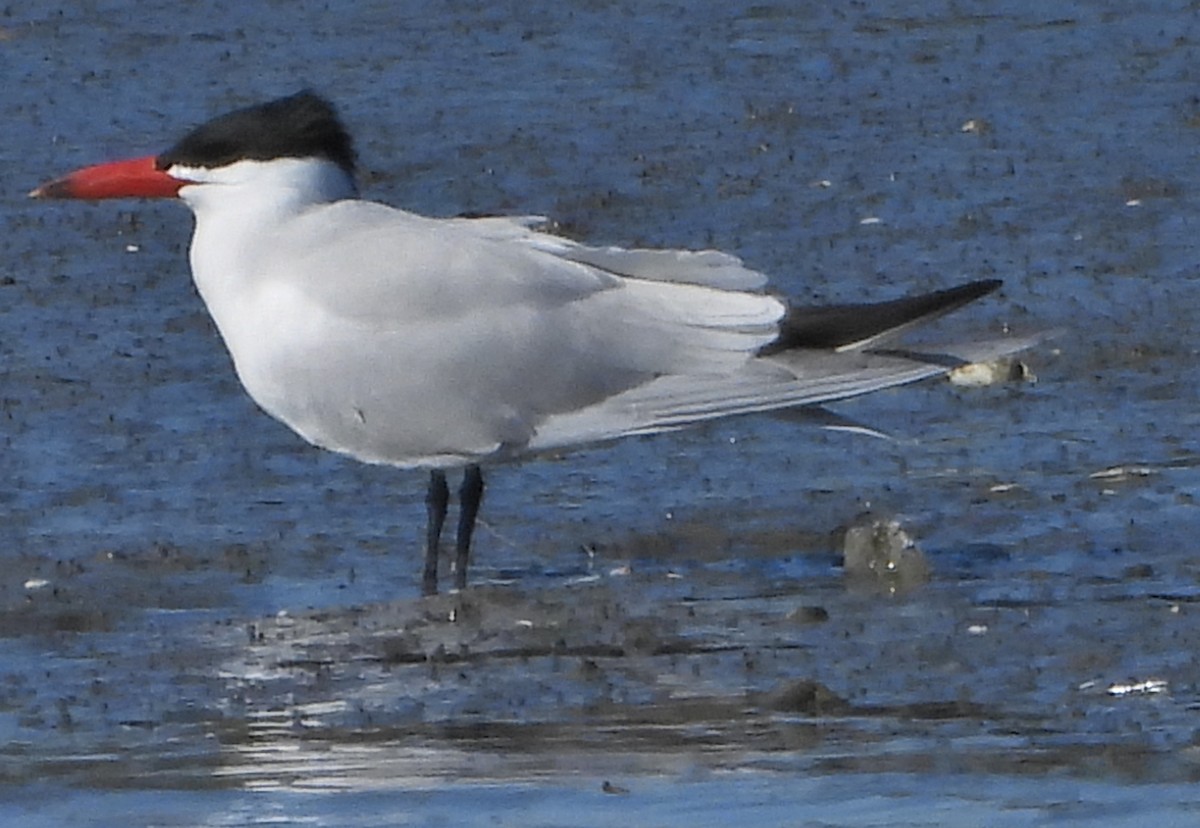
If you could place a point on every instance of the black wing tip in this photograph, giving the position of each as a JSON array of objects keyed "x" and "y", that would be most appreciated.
[
  {"x": 835, "y": 327},
  {"x": 946, "y": 300},
  {"x": 977, "y": 289}
]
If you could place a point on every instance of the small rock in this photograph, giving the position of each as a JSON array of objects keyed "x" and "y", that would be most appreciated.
[
  {"x": 808, "y": 697},
  {"x": 882, "y": 552},
  {"x": 1138, "y": 571},
  {"x": 808, "y": 615}
]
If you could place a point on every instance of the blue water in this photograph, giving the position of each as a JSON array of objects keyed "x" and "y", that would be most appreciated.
[
  {"x": 200, "y": 616},
  {"x": 753, "y": 799}
]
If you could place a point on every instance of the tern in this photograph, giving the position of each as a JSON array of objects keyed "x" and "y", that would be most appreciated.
[{"x": 447, "y": 343}]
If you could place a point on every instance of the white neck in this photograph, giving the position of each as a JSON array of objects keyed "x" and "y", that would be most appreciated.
[{"x": 240, "y": 205}]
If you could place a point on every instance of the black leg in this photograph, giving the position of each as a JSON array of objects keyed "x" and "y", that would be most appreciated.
[
  {"x": 469, "y": 498},
  {"x": 436, "y": 500}
]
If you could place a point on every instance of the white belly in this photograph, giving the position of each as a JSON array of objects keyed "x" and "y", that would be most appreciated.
[{"x": 401, "y": 397}]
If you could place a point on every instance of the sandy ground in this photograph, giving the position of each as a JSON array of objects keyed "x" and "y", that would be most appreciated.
[{"x": 204, "y": 621}]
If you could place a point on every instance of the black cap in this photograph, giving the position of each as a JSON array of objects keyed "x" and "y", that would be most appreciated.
[{"x": 303, "y": 125}]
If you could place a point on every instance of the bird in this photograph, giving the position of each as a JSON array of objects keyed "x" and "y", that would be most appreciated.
[{"x": 446, "y": 343}]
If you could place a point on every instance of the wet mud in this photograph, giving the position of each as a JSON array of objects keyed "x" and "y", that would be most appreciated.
[{"x": 204, "y": 621}]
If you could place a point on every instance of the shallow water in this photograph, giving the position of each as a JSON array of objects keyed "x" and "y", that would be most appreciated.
[{"x": 204, "y": 621}]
